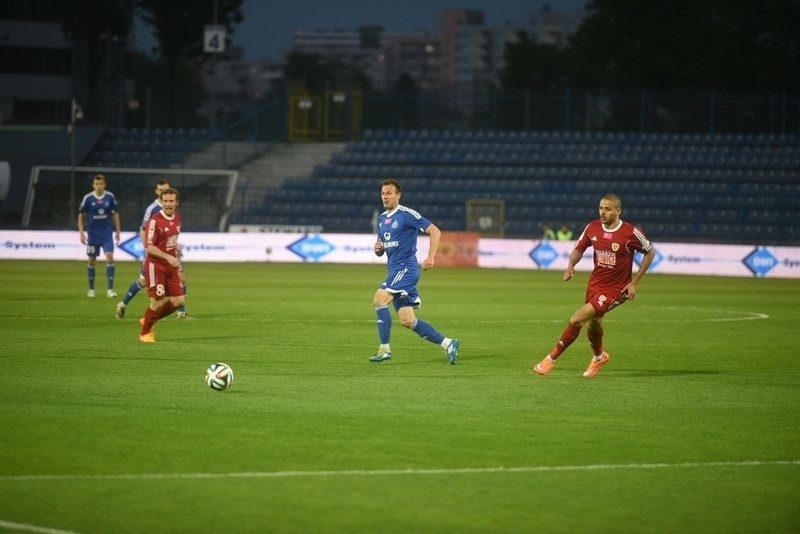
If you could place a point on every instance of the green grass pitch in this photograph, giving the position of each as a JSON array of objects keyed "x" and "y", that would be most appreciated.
[{"x": 693, "y": 426}]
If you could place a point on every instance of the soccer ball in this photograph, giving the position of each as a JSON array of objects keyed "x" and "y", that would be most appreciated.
[{"x": 219, "y": 376}]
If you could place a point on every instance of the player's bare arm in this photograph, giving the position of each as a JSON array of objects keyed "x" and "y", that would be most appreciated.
[
  {"x": 81, "y": 219},
  {"x": 630, "y": 289},
  {"x": 574, "y": 257},
  {"x": 118, "y": 227},
  {"x": 379, "y": 250},
  {"x": 436, "y": 235}
]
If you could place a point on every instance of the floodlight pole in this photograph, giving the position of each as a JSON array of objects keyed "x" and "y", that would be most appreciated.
[{"x": 73, "y": 118}]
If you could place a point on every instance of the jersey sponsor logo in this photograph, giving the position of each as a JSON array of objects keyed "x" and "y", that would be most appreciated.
[{"x": 606, "y": 259}]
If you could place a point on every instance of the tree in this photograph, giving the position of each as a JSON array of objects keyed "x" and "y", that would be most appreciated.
[
  {"x": 722, "y": 45},
  {"x": 99, "y": 25},
  {"x": 151, "y": 90},
  {"x": 178, "y": 27},
  {"x": 318, "y": 73},
  {"x": 532, "y": 66},
  {"x": 726, "y": 45}
]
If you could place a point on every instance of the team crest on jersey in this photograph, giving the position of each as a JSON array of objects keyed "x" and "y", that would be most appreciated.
[
  {"x": 394, "y": 224},
  {"x": 615, "y": 246}
]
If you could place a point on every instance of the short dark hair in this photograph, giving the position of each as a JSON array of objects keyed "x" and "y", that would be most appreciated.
[
  {"x": 613, "y": 198},
  {"x": 393, "y": 182},
  {"x": 170, "y": 191}
]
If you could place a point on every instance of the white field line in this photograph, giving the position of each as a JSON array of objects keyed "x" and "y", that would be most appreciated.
[
  {"x": 732, "y": 316},
  {"x": 32, "y": 528},
  {"x": 400, "y": 472}
]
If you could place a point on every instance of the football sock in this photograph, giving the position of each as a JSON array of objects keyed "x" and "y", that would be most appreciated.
[
  {"x": 182, "y": 307},
  {"x": 165, "y": 309},
  {"x": 150, "y": 317},
  {"x": 596, "y": 341},
  {"x": 110, "y": 270},
  {"x": 426, "y": 331},
  {"x": 128, "y": 296},
  {"x": 384, "y": 323},
  {"x": 90, "y": 274},
  {"x": 569, "y": 335},
  {"x": 446, "y": 343},
  {"x": 384, "y": 347}
]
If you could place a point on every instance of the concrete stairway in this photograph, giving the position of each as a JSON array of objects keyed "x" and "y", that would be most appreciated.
[
  {"x": 227, "y": 155},
  {"x": 279, "y": 162}
]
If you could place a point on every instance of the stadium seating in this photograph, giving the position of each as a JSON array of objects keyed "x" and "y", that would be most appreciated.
[
  {"x": 138, "y": 148},
  {"x": 723, "y": 188}
]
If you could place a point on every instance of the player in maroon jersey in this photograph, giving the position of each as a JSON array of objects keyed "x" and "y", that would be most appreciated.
[
  {"x": 161, "y": 264},
  {"x": 610, "y": 284}
]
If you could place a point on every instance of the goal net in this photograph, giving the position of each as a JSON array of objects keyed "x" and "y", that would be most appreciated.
[{"x": 55, "y": 193}]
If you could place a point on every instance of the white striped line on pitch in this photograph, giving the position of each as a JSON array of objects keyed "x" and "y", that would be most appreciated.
[
  {"x": 396, "y": 472},
  {"x": 32, "y": 528},
  {"x": 749, "y": 316}
]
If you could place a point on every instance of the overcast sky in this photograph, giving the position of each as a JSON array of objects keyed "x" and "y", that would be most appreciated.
[{"x": 267, "y": 28}]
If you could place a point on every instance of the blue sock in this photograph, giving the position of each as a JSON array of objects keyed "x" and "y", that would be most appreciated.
[
  {"x": 90, "y": 274},
  {"x": 426, "y": 331},
  {"x": 128, "y": 296},
  {"x": 182, "y": 307},
  {"x": 384, "y": 323},
  {"x": 110, "y": 270}
]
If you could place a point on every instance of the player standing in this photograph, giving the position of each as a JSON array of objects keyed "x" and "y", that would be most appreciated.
[
  {"x": 610, "y": 284},
  {"x": 161, "y": 264},
  {"x": 398, "y": 228},
  {"x": 99, "y": 217}
]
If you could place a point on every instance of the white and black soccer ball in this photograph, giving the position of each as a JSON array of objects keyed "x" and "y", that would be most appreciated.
[{"x": 219, "y": 376}]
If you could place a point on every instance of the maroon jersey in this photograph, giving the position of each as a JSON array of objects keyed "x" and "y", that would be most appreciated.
[
  {"x": 613, "y": 252},
  {"x": 163, "y": 232}
]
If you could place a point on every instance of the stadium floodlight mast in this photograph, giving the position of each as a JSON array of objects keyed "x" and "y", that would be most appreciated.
[{"x": 76, "y": 114}]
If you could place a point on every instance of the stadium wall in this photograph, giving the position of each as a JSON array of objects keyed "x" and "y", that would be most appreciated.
[{"x": 672, "y": 258}]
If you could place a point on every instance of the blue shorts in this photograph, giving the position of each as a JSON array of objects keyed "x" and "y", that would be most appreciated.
[
  {"x": 402, "y": 284},
  {"x": 93, "y": 249}
]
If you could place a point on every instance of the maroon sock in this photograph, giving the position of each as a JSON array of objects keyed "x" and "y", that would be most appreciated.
[
  {"x": 569, "y": 335},
  {"x": 165, "y": 309},
  {"x": 595, "y": 340},
  {"x": 150, "y": 317}
]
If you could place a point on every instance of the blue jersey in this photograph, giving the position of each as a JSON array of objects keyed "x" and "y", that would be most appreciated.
[
  {"x": 151, "y": 210},
  {"x": 398, "y": 232},
  {"x": 98, "y": 211}
]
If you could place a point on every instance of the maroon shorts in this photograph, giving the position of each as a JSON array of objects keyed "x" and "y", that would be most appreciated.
[
  {"x": 162, "y": 279},
  {"x": 605, "y": 299}
]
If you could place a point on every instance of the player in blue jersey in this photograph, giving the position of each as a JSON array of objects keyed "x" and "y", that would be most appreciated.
[
  {"x": 99, "y": 227},
  {"x": 398, "y": 228},
  {"x": 139, "y": 283}
]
